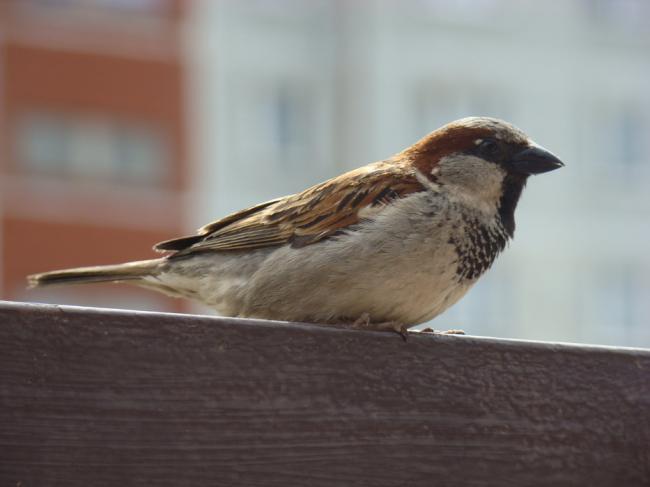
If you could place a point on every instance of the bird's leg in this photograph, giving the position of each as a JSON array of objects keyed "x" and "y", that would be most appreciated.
[
  {"x": 400, "y": 328},
  {"x": 364, "y": 323}
]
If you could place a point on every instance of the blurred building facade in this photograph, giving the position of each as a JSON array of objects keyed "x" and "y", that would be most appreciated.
[
  {"x": 221, "y": 104},
  {"x": 93, "y": 141}
]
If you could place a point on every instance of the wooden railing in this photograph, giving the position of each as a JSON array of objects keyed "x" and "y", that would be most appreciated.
[{"x": 113, "y": 398}]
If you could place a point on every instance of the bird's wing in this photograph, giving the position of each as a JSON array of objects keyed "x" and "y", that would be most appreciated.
[{"x": 304, "y": 218}]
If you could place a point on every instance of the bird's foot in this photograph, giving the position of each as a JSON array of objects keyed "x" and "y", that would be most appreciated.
[{"x": 364, "y": 323}]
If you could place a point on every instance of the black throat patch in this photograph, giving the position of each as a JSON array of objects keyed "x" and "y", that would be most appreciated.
[{"x": 513, "y": 185}]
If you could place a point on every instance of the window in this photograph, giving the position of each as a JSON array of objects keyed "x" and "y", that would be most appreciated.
[
  {"x": 130, "y": 6},
  {"x": 275, "y": 135},
  {"x": 289, "y": 118},
  {"x": 626, "y": 13},
  {"x": 275, "y": 125},
  {"x": 42, "y": 143},
  {"x": 87, "y": 147},
  {"x": 630, "y": 131}
]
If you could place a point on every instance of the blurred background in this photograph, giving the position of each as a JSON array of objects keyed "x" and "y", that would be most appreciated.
[{"x": 127, "y": 122}]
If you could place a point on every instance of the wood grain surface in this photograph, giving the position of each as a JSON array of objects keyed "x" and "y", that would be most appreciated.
[{"x": 113, "y": 398}]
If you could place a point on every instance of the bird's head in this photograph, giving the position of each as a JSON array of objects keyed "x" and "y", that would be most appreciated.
[{"x": 483, "y": 161}]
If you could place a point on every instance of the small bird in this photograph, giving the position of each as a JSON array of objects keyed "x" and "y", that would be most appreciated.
[{"x": 383, "y": 247}]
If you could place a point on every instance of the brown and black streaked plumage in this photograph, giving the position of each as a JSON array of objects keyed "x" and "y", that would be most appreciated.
[{"x": 307, "y": 217}]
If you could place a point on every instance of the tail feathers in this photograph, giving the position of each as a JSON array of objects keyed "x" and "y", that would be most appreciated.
[{"x": 105, "y": 273}]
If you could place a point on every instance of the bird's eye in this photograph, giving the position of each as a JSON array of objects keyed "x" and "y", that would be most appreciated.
[{"x": 489, "y": 147}]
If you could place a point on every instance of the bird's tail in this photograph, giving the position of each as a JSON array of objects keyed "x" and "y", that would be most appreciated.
[{"x": 131, "y": 271}]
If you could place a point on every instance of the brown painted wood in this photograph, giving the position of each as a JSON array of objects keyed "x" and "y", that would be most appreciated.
[{"x": 108, "y": 398}]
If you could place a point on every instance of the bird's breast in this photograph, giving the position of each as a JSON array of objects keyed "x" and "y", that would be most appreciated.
[{"x": 477, "y": 242}]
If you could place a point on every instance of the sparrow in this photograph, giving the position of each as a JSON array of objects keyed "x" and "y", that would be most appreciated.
[{"x": 384, "y": 247}]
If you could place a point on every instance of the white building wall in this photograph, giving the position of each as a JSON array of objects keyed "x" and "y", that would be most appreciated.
[
  {"x": 361, "y": 80},
  {"x": 263, "y": 100}
]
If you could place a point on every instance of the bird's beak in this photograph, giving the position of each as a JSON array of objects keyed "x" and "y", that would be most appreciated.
[{"x": 535, "y": 160}]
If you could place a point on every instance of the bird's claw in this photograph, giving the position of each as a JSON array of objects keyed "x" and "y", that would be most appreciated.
[
  {"x": 363, "y": 322},
  {"x": 403, "y": 331}
]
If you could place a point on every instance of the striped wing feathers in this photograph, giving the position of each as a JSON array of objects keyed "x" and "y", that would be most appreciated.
[{"x": 304, "y": 218}]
